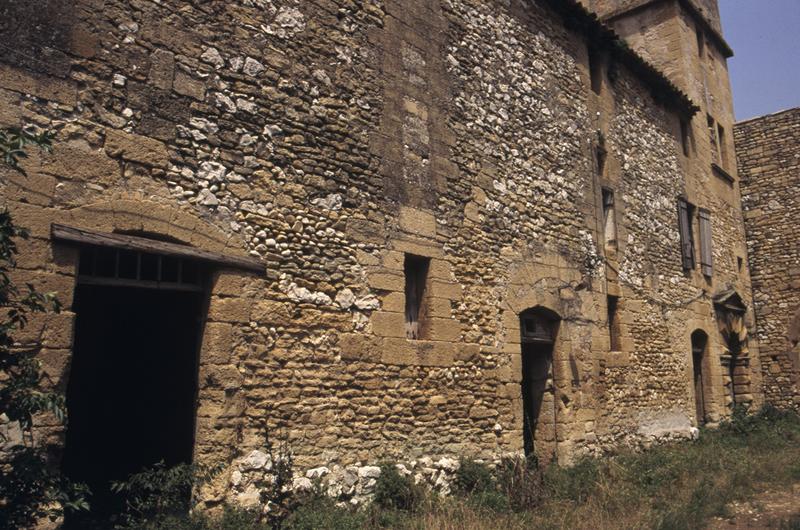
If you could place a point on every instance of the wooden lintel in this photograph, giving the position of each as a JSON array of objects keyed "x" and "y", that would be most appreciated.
[{"x": 80, "y": 236}]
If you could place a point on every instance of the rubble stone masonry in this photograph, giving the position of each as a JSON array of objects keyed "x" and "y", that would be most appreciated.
[
  {"x": 768, "y": 150},
  {"x": 331, "y": 139}
]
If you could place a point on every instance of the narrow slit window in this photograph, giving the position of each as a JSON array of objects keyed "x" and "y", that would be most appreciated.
[
  {"x": 685, "y": 215},
  {"x": 706, "y": 254},
  {"x": 614, "y": 324},
  {"x": 595, "y": 71},
  {"x": 701, "y": 42},
  {"x": 712, "y": 138},
  {"x": 416, "y": 278},
  {"x": 685, "y": 137},
  {"x": 609, "y": 220},
  {"x": 723, "y": 151}
]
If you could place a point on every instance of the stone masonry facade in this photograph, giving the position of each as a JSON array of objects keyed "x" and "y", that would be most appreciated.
[
  {"x": 768, "y": 150},
  {"x": 533, "y": 165}
]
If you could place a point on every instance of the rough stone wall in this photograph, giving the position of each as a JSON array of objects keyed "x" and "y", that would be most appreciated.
[
  {"x": 665, "y": 33},
  {"x": 768, "y": 152},
  {"x": 330, "y": 139}
]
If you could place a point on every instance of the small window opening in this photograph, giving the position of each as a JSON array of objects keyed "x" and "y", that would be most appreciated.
[
  {"x": 706, "y": 253},
  {"x": 686, "y": 213},
  {"x": 712, "y": 137},
  {"x": 609, "y": 220},
  {"x": 739, "y": 263},
  {"x": 685, "y": 131},
  {"x": 416, "y": 277},
  {"x": 701, "y": 43},
  {"x": 596, "y": 71},
  {"x": 723, "y": 151},
  {"x": 614, "y": 324}
]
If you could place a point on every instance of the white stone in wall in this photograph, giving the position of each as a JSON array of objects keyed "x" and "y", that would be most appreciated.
[{"x": 213, "y": 57}]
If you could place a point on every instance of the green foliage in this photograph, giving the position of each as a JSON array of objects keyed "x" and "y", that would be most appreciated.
[
  {"x": 13, "y": 143},
  {"x": 472, "y": 477},
  {"x": 30, "y": 487},
  {"x": 281, "y": 499},
  {"x": 320, "y": 512},
  {"x": 393, "y": 491},
  {"x": 158, "y": 493},
  {"x": 231, "y": 519}
]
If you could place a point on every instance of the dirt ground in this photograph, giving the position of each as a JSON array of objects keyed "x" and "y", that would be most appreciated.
[{"x": 770, "y": 509}]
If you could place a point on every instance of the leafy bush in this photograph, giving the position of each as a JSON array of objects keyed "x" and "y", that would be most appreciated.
[
  {"x": 31, "y": 487},
  {"x": 320, "y": 512},
  {"x": 473, "y": 477},
  {"x": 159, "y": 494},
  {"x": 396, "y": 492}
]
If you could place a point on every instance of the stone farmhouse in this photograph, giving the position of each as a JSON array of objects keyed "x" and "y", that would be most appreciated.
[{"x": 382, "y": 230}]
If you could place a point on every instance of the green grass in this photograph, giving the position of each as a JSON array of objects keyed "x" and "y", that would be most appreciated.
[{"x": 675, "y": 486}]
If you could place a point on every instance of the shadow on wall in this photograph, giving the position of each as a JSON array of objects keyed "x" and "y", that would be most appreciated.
[
  {"x": 34, "y": 34},
  {"x": 793, "y": 334}
]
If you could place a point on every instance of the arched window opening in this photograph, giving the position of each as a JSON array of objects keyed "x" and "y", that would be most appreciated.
[{"x": 699, "y": 360}]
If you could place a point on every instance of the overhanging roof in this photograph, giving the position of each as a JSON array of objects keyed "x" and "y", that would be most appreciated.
[{"x": 578, "y": 18}]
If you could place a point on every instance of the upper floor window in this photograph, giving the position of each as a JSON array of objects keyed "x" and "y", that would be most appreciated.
[
  {"x": 596, "y": 71},
  {"x": 685, "y": 137},
  {"x": 609, "y": 221},
  {"x": 685, "y": 215},
  {"x": 701, "y": 42}
]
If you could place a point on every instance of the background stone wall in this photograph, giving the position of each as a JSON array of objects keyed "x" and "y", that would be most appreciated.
[{"x": 768, "y": 151}]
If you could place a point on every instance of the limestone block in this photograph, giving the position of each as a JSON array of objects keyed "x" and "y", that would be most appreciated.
[
  {"x": 162, "y": 69},
  {"x": 394, "y": 302},
  {"x": 448, "y": 290},
  {"x": 229, "y": 309},
  {"x": 76, "y": 159},
  {"x": 418, "y": 248},
  {"x": 440, "y": 269},
  {"x": 444, "y": 329},
  {"x": 228, "y": 283},
  {"x": 186, "y": 85},
  {"x": 385, "y": 324},
  {"x": 467, "y": 352},
  {"x": 418, "y": 222},
  {"x": 387, "y": 282},
  {"x": 358, "y": 347},
  {"x": 439, "y": 307},
  {"x": 136, "y": 148},
  {"x": 217, "y": 343},
  {"x": 42, "y": 86}
]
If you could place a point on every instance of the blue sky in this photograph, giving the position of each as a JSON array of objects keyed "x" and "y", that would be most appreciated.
[{"x": 765, "y": 70}]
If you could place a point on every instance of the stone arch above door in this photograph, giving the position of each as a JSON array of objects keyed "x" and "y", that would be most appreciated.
[{"x": 145, "y": 216}]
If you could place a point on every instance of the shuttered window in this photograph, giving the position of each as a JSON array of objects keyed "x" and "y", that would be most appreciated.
[
  {"x": 685, "y": 211},
  {"x": 706, "y": 255}
]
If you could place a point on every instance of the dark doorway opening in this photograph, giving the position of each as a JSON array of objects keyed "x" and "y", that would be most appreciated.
[
  {"x": 699, "y": 345},
  {"x": 133, "y": 381},
  {"x": 538, "y": 332}
]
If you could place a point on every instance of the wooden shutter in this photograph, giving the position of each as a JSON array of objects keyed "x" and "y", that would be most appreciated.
[
  {"x": 706, "y": 256},
  {"x": 685, "y": 228}
]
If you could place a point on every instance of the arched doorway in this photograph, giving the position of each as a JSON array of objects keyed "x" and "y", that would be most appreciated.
[
  {"x": 538, "y": 331},
  {"x": 699, "y": 361},
  {"x": 730, "y": 312}
]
